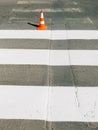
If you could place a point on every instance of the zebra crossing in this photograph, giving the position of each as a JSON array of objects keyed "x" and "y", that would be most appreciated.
[{"x": 48, "y": 78}]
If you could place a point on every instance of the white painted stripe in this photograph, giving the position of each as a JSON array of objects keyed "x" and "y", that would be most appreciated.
[
  {"x": 37, "y": 57},
  {"x": 49, "y": 34},
  {"x": 19, "y": 56},
  {"x": 49, "y": 57},
  {"x": 30, "y": 102},
  {"x": 48, "y": 10},
  {"x": 84, "y": 57},
  {"x": 33, "y": 2},
  {"x": 23, "y": 102},
  {"x": 24, "y": 34},
  {"x": 74, "y": 104}
]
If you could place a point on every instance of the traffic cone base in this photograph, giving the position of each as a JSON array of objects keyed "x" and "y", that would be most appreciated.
[{"x": 42, "y": 27}]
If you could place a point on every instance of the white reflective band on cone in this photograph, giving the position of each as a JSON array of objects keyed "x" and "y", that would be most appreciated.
[
  {"x": 42, "y": 16},
  {"x": 42, "y": 22}
]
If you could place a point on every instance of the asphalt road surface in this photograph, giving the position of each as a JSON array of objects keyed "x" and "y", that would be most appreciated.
[{"x": 23, "y": 110}]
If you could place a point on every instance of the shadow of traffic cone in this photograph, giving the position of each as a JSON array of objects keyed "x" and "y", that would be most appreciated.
[{"x": 42, "y": 25}]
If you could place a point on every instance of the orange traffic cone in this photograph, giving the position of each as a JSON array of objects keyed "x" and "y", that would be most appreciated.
[{"x": 42, "y": 25}]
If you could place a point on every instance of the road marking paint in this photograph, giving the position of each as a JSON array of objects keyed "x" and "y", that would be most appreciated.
[
  {"x": 75, "y": 3},
  {"x": 24, "y": 34},
  {"x": 84, "y": 57},
  {"x": 19, "y": 20},
  {"x": 90, "y": 20},
  {"x": 83, "y": 34},
  {"x": 67, "y": 106},
  {"x": 33, "y": 2},
  {"x": 11, "y": 18},
  {"x": 49, "y": 57},
  {"x": 48, "y": 10},
  {"x": 49, "y": 34},
  {"x": 19, "y": 56},
  {"x": 24, "y": 102}
]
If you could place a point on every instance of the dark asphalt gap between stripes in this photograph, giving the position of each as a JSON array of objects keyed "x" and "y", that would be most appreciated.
[
  {"x": 16, "y": 124},
  {"x": 42, "y": 75},
  {"x": 49, "y": 44}
]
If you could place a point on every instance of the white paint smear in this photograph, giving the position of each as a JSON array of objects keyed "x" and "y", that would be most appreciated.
[
  {"x": 48, "y": 10},
  {"x": 49, "y": 34},
  {"x": 30, "y": 102},
  {"x": 90, "y": 21},
  {"x": 20, "y": 20},
  {"x": 75, "y": 3},
  {"x": 49, "y": 57},
  {"x": 33, "y": 2}
]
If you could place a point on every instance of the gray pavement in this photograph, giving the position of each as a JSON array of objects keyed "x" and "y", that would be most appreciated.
[
  {"x": 46, "y": 44},
  {"x": 6, "y": 10},
  {"x": 14, "y": 16},
  {"x": 83, "y": 15},
  {"x": 58, "y": 76},
  {"x": 42, "y": 125}
]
